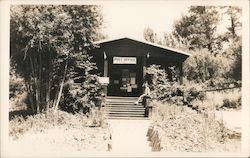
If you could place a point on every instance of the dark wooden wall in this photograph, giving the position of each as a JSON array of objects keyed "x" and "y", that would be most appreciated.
[{"x": 130, "y": 48}]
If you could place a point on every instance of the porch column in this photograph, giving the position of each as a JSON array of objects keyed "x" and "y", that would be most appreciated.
[
  {"x": 105, "y": 71},
  {"x": 144, "y": 66},
  {"x": 181, "y": 72},
  {"x": 105, "y": 66}
]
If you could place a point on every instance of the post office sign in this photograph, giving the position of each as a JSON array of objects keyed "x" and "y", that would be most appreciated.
[{"x": 124, "y": 60}]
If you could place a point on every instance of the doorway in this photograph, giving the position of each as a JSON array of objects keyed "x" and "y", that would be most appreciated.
[{"x": 125, "y": 80}]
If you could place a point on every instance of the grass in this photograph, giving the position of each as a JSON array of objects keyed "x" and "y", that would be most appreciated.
[
  {"x": 183, "y": 129},
  {"x": 61, "y": 131},
  {"x": 50, "y": 119}
]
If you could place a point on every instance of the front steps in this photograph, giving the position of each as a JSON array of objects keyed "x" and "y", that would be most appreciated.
[{"x": 124, "y": 108}]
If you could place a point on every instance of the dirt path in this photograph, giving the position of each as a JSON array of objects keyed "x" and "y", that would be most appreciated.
[
  {"x": 129, "y": 137},
  {"x": 59, "y": 142}
]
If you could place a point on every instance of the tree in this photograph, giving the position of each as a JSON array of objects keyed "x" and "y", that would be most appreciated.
[
  {"x": 233, "y": 40},
  {"x": 234, "y": 13},
  {"x": 169, "y": 40},
  {"x": 198, "y": 31},
  {"x": 48, "y": 45},
  {"x": 200, "y": 67},
  {"x": 150, "y": 35},
  {"x": 199, "y": 28}
]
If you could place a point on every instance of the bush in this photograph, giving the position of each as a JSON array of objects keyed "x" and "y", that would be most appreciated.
[
  {"x": 193, "y": 92},
  {"x": 206, "y": 68},
  {"x": 234, "y": 104},
  {"x": 17, "y": 92},
  {"x": 161, "y": 88},
  {"x": 184, "y": 130},
  {"x": 82, "y": 96},
  {"x": 164, "y": 90},
  {"x": 19, "y": 125}
]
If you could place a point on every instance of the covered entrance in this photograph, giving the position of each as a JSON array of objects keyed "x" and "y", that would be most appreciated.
[
  {"x": 122, "y": 64},
  {"x": 125, "y": 76}
]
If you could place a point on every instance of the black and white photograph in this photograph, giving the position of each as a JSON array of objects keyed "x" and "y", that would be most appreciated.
[{"x": 124, "y": 78}]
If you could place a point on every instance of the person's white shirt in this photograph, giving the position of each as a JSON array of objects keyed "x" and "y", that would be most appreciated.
[{"x": 146, "y": 93}]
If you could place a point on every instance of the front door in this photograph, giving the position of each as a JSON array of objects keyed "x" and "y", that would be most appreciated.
[{"x": 125, "y": 80}]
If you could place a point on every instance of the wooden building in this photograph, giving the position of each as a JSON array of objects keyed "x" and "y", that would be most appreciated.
[{"x": 122, "y": 63}]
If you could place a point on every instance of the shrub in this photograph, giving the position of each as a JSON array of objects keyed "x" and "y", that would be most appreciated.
[
  {"x": 161, "y": 88},
  {"x": 201, "y": 66},
  {"x": 166, "y": 91},
  {"x": 17, "y": 92},
  {"x": 193, "y": 92},
  {"x": 206, "y": 68},
  {"x": 234, "y": 104},
  {"x": 19, "y": 125},
  {"x": 82, "y": 96},
  {"x": 184, "y": 130},
  {"x": 217, "y": 99}
]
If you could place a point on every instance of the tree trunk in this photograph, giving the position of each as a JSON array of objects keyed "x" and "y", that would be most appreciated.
[
  {"x": 40, "y": 81},
  {"x": 61, "y": 86},
  {"x": 29, "y": 84},
  {"x": 35, "y": 83},
  {"x": 48, "y": 86},
  {"x": 233, "y": 27},
  {"x": 30, "y": 96},
  {"x": 37, "y": 87}
]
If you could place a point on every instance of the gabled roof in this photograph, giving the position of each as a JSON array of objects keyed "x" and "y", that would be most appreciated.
[{"x": 144, "y": 42}]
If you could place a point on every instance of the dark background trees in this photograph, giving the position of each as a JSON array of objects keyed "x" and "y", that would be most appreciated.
[
  {"x": 49, "y": 48},
  {"x": 217, "y": 54}
]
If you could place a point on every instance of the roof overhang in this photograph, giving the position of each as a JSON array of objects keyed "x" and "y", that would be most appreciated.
[{"x": 144, "y": 42}]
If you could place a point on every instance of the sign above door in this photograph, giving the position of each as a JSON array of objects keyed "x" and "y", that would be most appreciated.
[{"x": 124, "y": 60}]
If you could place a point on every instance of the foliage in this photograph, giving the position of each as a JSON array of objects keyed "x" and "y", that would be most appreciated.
[
  {"x": 160, "y": 87},
  {"x": 216, "y": 55},
  {"x": 193, "y": 93},
  {"x": 164, "y": 90},
  {"x": 199, "y": 28},
  {"x": 234, "y": 13},
  {"x": 171, "y": 41},
  {"x": 48, "y": 45},
  {"x": 183, "y": 130},
  {"x": 214, "y": 71},
  {"x": 235, "y": 55},
  {"x": 233, "y": 50},
  {"x": 231, "y": 104},
  {"x": 149, "y": 35},
  {"x": 50, "y": 119},
  {"x": 202, "y": 66},
  {"x": 16, "y": 86},
  {"x": 17, "y": 92},
  {"x": 82, "y": 96}
]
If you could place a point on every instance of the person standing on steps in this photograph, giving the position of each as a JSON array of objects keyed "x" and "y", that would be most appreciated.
[{"x": 146, "y": 93}]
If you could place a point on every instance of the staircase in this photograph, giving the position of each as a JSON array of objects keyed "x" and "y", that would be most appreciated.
[{"x": 124, "y": 108}]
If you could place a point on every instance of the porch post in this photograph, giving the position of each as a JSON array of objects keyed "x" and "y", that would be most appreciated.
[
  {"x": 105, "y": 66},
  {"x": 105, "y": 71},
  {"x": 144, "y": 66},
  {"x": 181, "y": 72}
]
